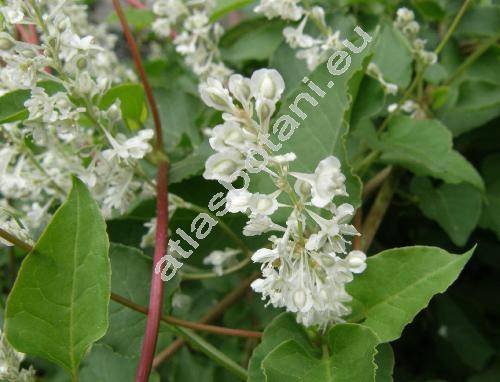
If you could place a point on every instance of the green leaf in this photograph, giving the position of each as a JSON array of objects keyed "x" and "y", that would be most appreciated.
[
  {"x": 465, "y": 337},
  {"x": 430, "y": 9},
  {"x": 476, "y": 102},
  {"x": 283, "y": 328},
  {"x": 491, "y": 210},
  {"x": 59, "y": 304},
  {"x": 136, "y": 18},
  {"x": 191, "y": 165},
  {"x": 223, "y": 7},
  {"x": 12, "y": 106},
  {"x": 326, "y": 124},
  {"x": 290, "y": 67},
  {"x": 425, "y": 148},
  {"x": 104, "y": 365},
  {"x": 398, "y": 283},
  {"x": 178, "y": 112},
  {"x": 255, "y": 39},
  {"x": 132, "y": 103},
  {"x": 131, "y": 279},
  {"x": 385, "y": 363},
  {"x": 393, "y": 56},
  {"x": 480, "y": 22},
  {"x": 456, "y": 207},
  {"x": 350, "y": 357}
]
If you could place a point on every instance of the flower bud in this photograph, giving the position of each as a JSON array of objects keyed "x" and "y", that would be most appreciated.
[
  {"x": 223, "y": 166},
  {"x": 114, "y": 113},
  {"x": 318, "y": 13},
  {"x": 5, "y": 43},
  {"x": 240, "y": 88},
  {"x": 215, "y": 95},
  {"x": 81, "y": 63}
]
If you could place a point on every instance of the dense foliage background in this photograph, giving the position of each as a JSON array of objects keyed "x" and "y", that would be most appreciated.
[{"x": 437, "y": 201}]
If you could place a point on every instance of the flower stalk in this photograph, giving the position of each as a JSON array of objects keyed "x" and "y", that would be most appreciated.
[{"x": 156, "y": 292}]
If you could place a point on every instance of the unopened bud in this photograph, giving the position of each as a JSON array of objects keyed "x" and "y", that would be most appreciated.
[
  {"x": 81, "y": 63},
  {"x": 5, "y": 43},
  {"x": 114, "y": 112}
]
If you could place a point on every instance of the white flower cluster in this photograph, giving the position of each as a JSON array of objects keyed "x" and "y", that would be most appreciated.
[
  {"x": 405, "y": 22},
  {"x": 314, "y": 50},
  {"x": 307, "y": 265},
  {"x": 10, "y": 362},
  {"x": 196, "y": 37},
  {"x": 65, "y": 131}
]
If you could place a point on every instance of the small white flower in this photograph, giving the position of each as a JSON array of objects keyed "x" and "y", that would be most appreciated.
[
  {"x": 215, "y": 95},
  {"x": 267, "y": 84},
  {"x": 284, "y": 159},
  {"x": 332, "y": 42},
  {"x": 240, "y": 88},
  {"x": 405, "y": 15},
  {"x": 286, "y": 9},
  {"x": 265, "y": 255},
  {"x": 229, "y": 135},
  {"x": 326, "y": 182},
  {"x": 261, "y": 204},
  {"x": 313, "y": 56},
  {"x": 161, "y": 27},
  {"x": 223, "y": 166},
  {"x": 238, "y": 201},
  {"x": 218, "y": 259},
  {"x": 356, "y": 261},
  {"x": 136, "y": 147},
  {"x": 296, "y": 38},
  {"x": 259, "y": 224}
]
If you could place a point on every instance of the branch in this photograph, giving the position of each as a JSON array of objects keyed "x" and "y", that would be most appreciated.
[
  {"x": 22, "y": 33},
  {"x": 453, "y": 26},
  {"x": 378, "y": 210},
  {"x": 15, "y": 240},
  {"x": 376, "y": 181},
  {"x": 358, "y": 223},
  {"x": 472, "y": 58},
  {"x": 142, "y": 309},
  {"x": 134, "y": 50},
  {"x": 211, "y": 315},
  {"x": 156, "y": 293},
  {"x": 187, "y": 324}
]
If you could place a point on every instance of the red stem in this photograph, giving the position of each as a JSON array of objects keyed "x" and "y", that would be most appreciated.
[
  {"x": 136, "y": 4},
  {"x": 22, "y": 32},
  {"x": 33, "y": 35},
  {"x": 156, "y": 292}
]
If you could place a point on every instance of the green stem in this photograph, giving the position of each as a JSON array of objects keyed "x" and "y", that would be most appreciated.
[
  {"x": 366, "y": 162},
  {"x": 224, "y": 226},
  {"x": 15, "y": 240},
  {"x": 213, "y": 353},
  {"x": 472, "y": 58},
  {"x": 452, "y": 27},
  {"x": 208, "y": 275}
]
